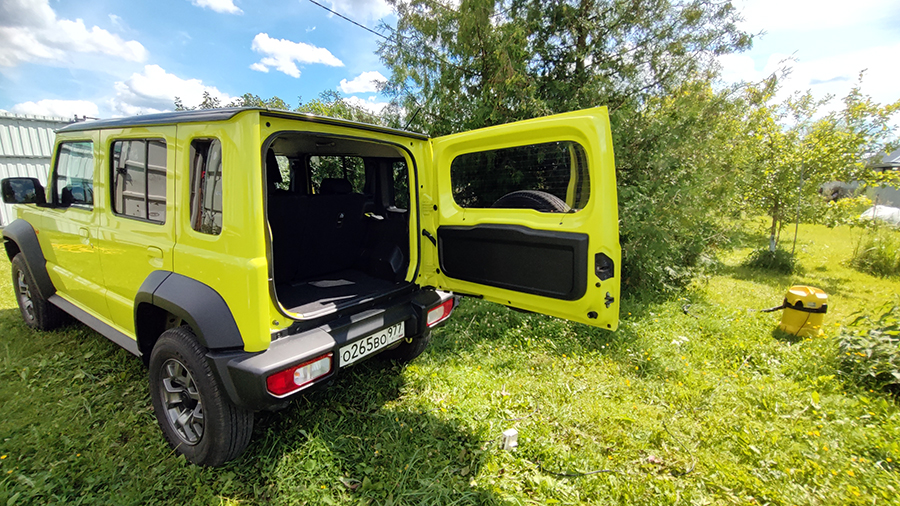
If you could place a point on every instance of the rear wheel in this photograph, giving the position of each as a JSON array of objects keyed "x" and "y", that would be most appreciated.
[
  {"x": 197, "y": 418},
  {"x": 37, "y": 312}
]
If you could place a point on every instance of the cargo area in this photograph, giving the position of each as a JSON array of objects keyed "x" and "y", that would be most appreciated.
[{"x": 338, "y": 213}]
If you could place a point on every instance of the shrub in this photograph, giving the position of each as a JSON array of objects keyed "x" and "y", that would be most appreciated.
[
  {"x": 870, "y": 350},
  {"x": 779, "y": 261},
  {"x": 879, "y": 255}
]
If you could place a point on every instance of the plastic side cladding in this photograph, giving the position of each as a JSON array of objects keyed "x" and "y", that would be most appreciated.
[{"x": 19, "y": 236}]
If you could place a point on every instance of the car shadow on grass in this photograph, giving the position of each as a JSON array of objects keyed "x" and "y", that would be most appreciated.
[{"x": 352, "y": 442}]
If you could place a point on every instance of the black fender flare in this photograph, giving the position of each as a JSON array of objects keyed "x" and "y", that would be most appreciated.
[
  {"x": 25, "y": 238},
  {"x": 194, "y": 302}
]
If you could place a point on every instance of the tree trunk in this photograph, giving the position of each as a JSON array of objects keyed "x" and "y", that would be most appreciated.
[{"x": 773, "y": 239}]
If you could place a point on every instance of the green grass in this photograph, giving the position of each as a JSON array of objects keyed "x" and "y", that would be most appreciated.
[
  {"x": 703, "y": 407},
  {"x": 879, "y": 253}
]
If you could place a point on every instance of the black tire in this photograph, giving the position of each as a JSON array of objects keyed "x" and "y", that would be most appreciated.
[
  {"x": 532, "y": 199},
  {"x": 37, "y": 312},
  {"x": 212, "y": 430},
  {"x": 407, "y": 351}
]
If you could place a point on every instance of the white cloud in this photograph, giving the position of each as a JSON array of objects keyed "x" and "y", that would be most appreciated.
[
  {"x": 370, "y": 105},
  {"x": 259, "y": 67},
  {"x": 30, "y": 30},
  {"x": 834, "y": 74},
  {"x": 285, "y": 54},
  {"x": 367, "y": 82},
  {"x": 224, "y": 6},
  {"x": 803, "y": 15},
  {"x": 362, "y": 9},
  {"x": 154, "y": 90},
  {"x": 58, "y": 108}
]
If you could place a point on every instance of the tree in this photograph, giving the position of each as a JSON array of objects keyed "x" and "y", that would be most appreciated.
[
  {"x": 488, "y": 62},
  {"x": 329, "y": 103},
  {"x": 797, "y": 149}
]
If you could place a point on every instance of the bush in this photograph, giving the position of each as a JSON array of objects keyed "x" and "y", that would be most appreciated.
[
  {"x": 779, "y": 261},
  {"x": 879, "y": 255},
  {"x": 870, "y": 350}
]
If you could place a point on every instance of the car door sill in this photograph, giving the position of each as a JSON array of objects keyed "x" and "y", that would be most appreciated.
[{"x": 95, "y": 323}]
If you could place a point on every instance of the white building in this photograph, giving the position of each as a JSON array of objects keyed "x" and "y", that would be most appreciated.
[{"x": 26, "y": 147}]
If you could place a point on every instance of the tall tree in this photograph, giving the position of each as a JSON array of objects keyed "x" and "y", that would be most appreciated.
[
  {"x": 797, "y": 148},
  {"x": 493, "y": 61}
]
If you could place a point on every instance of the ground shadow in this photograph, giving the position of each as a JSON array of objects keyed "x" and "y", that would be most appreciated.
[{"x": 348, "y": 442}]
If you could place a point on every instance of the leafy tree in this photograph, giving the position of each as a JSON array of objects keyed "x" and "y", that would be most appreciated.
[
  {"x": 329, "y": 103},
  {"x": 493, "y": 61},
  {"x": 797, "y": 149}
]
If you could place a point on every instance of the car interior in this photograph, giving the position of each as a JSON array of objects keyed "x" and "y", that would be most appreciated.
[{"x": 338, "y": 212}]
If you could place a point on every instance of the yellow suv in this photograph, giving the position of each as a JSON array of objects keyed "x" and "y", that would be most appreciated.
[{"x": 249, "y": 254}]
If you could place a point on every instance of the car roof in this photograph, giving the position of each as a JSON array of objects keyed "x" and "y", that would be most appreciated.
[{"x": 224, "y": 114}]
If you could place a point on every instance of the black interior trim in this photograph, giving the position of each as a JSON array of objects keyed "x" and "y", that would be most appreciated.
[{"x": 539, "y": 262}]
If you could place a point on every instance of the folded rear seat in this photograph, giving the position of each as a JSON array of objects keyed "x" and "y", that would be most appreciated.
[{"x": 332, "y": 231}]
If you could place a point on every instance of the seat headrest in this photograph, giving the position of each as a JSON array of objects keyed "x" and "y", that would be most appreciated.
[{"x": 335, "y": 186}]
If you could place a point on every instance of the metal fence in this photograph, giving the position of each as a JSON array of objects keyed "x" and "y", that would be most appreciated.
[{"x": 26, "y": 147}]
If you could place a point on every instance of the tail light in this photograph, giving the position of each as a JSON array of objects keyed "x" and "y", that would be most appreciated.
[
  {"x": 439, "y": 313},
  {"x": 298, "y": 376}
]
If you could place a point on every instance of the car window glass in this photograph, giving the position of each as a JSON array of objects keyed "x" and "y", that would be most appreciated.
[
  {"x": 548, "y": 177},
  {"x": 401, "y": 184},
  {"x": 74, "y": 178},
  {"x": 139, "y": 179},
  {"x": 351, "y": 168},
  {"x": 206, "y": 186},
  {"x": 284, "y": 166}
]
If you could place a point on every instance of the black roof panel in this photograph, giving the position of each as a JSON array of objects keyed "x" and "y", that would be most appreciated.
[
  {"x": 163, "y": 118},
  {"x": 223, "y": 114}
]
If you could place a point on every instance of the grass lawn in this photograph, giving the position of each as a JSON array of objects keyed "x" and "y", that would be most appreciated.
[{"x": 703, "y": 407}]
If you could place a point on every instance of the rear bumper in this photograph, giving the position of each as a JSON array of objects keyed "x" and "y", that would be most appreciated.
[{"x": 243, "y": 374}]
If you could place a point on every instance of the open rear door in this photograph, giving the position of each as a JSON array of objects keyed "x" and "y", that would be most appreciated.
[{"x": 526, "y": 216}]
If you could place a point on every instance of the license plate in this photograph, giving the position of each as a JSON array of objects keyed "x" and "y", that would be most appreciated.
[{"x": 368, "y": 345}]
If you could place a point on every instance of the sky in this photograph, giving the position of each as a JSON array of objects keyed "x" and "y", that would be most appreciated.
[{"x": 111, "y": 58}]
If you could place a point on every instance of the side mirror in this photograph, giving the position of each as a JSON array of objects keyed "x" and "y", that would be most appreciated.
[{"x": 22, "y": 190}]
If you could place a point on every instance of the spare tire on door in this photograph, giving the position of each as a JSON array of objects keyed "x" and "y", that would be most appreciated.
[{"x": 532, "y": 199}]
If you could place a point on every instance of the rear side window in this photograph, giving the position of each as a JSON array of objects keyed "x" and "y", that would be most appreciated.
[
  {"x": 401, "y": 184},
  {"x": 74, "y": 179},
  {"x": 139, "y": 179},
  {"x": 206, "y": 186},
  {"x": 548, "y": 177}
]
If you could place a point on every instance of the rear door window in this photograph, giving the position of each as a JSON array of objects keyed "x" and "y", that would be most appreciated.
[{"x": 139, "y": 179}]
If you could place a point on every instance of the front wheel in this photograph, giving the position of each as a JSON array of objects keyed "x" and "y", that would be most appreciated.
[
  {"x": 197, "y": 418},
  {"x": 37, "y": 311}
]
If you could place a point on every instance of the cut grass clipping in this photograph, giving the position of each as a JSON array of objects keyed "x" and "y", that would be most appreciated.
[{"x": 690, "y": 402}]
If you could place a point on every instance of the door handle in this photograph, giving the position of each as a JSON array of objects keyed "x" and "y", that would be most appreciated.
[
  {"x": 155, "y": 256},
  {"x": 85, "y": 236}
]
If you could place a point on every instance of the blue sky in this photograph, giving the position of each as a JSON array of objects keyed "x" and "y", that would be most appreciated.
[{"x": 105, "y": 58}]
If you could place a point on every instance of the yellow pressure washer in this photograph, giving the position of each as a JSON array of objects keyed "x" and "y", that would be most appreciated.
[{"x": 804, "y": 311}]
